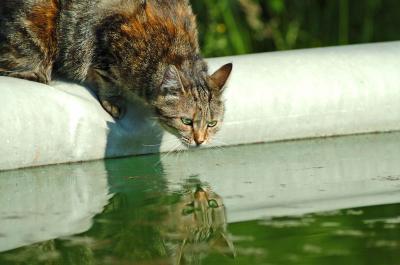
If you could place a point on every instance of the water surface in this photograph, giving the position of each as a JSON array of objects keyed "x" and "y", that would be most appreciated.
[{"x": 308, "y": 202}]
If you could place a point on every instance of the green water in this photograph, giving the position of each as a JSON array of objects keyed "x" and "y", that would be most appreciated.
[
  {"x": 281, "y": 206},
  {"x": 348, "y": 236}
]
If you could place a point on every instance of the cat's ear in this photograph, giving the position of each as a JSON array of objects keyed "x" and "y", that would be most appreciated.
[
  {"x": 172, "y": 83},
  {"x": 220, "y": 76},
  {"x": 224, "y": 244}
]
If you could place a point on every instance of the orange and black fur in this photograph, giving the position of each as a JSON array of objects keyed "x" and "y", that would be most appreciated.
[{"x": 146, "y": 48}]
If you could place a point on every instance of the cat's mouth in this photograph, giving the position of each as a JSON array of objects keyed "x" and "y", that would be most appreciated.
[{"x": 188, "y": 143}]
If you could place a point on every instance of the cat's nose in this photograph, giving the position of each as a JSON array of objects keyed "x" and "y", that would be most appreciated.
[
  {"x": 201, "y": 195},
  {"x": 199, "y": 138},
  {"x": 199, "y": 142}
]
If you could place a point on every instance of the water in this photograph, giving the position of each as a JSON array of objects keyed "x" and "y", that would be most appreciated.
[{"x": 308, "y": 202}]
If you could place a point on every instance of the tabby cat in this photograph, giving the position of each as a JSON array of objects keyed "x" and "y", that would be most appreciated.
[
  {"x": 197, "y": 225},
  {"x": 119, "y": 48}
]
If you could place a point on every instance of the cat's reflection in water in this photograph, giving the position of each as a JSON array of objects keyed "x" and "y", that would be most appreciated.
[
  {"x": 145, "y": 223},
  {"x": 197, "y": 225}
]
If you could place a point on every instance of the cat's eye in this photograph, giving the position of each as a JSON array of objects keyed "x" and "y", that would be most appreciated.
[
  {"x": 212, "y": 124},
  {"x": 189, "y": 209},
  {"x": 213, "y": 204},
  {"x": 187, "y": 121}
]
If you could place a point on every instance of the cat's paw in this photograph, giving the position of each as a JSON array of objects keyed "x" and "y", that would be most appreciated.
[
  {"x": 31, "y": 76},
  {"x": 117, "y": 111}
]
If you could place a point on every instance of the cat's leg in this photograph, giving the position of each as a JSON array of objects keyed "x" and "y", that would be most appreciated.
[
  {"x": 115, "y": 106},
  {"x": 109, "y": 95},
  {"x": 29, "y": 75}
]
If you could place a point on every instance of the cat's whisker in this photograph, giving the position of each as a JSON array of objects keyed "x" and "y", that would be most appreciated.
[
  {"x": 218, "y": 141},
  {"x": 173, "y": 149},
  {"x": 163, "y": 142},
  {"x": 216, "y": 151},
  {"x": 176, "y": 155},
  {"x": 180, "y": 153},
  {"x": 151, "y": 145},
  {"x": 164, "y": 156},
  {"x": 218, "y": 148}
]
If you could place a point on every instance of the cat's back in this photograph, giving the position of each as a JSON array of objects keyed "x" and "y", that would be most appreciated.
[
  {"x": 28, "y": 42},
  {"x": 131, "y": 6},
  {"x": 37, "y": 16},
  {"x": 163, "y": 22}
]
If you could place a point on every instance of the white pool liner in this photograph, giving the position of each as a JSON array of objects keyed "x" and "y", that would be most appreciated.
[{"x": 270, "y": 97}]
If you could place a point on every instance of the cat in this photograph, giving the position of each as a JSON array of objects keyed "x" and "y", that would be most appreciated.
[
  {"x": 119, "y": 47},
  {"x": 197, "y": 225}
]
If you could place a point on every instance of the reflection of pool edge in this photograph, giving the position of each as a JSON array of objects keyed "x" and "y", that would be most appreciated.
[
  {"x": 62, "y": 201},
  {"x": 298, "y": 209},
  {"x": 284, "y": 174}
]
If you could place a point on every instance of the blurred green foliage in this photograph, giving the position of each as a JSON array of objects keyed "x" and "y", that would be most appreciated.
[{"x": 243, "y": 26}]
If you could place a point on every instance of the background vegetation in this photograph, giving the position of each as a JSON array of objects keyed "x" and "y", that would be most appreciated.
[{"x": 243, "y": 26}]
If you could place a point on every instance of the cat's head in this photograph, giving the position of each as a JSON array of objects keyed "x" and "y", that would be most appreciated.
[
  {"x": 193, "y": 109},
  {"x": 199, "y": 226}
]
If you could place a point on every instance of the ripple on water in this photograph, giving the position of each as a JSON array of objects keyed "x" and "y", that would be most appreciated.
[
  {"x": 385, "y": 244},
  {"x": 276, "y": 223},
  {"x": 312, "y": 249},
  {"x": 350, "y": 232},
  {"x": 393, "y": 220},
  {"x": 330, "y": 224},
  {"x": 354, "y": 212}
]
